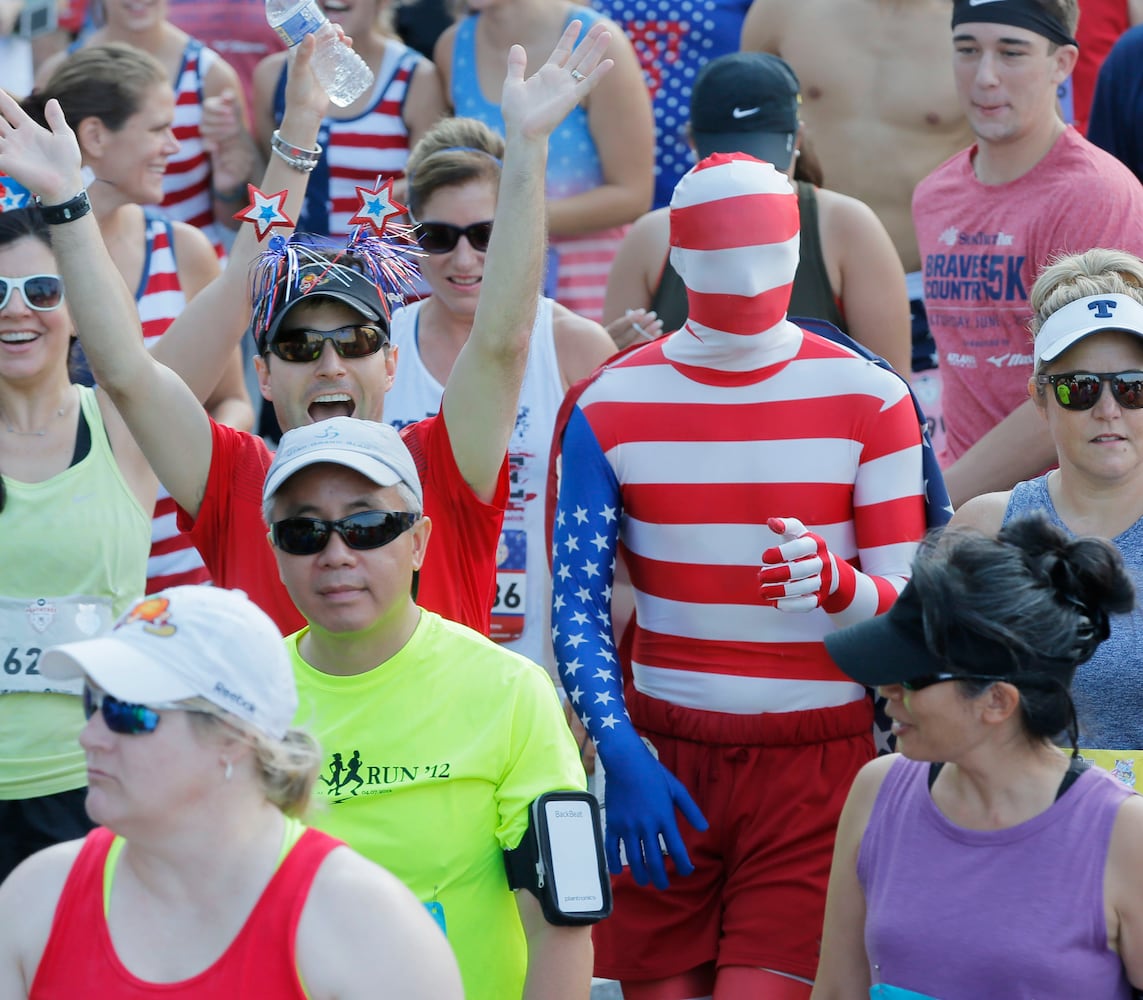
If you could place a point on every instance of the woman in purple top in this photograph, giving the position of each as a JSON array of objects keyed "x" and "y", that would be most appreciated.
[{"x": 983, "y": 860}]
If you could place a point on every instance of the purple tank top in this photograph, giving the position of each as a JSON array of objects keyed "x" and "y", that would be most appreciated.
[{"x": 964, "y": 914}]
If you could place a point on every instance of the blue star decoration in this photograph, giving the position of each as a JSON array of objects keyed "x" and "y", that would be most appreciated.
[
  {"x": 376, "y": 206},
  {"x": 266, "y": 211}
]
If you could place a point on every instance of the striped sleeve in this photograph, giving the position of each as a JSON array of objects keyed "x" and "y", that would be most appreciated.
[{"x": 888, "y": 509}]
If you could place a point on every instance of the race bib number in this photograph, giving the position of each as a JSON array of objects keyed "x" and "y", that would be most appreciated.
[
  {"x": 28, "y": 627},
  {"x": 511, "y": 586}
]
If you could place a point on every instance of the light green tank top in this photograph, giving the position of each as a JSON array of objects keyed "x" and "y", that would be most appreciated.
[{"x": 73, "y": 556}]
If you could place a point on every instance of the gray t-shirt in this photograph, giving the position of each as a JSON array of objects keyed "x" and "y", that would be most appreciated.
[{"x": 1108, "y": 689}]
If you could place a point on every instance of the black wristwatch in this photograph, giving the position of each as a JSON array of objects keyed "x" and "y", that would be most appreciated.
[{"x": 69, "y": 211}]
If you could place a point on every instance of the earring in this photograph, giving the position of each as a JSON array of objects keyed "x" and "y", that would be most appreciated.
[{"x": 229, "y": 770}]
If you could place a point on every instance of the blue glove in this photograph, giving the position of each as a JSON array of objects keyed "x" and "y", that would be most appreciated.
[{"x": 641, "y": 797}]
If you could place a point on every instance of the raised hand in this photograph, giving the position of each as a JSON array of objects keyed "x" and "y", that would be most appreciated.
[
  {"x": 304, "y": 94},
  {"x": 535, "y": 106},
  {"x": 47, "y": 162}
]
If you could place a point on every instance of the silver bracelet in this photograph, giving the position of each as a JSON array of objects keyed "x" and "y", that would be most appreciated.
[{"x": 297, "y": 157}]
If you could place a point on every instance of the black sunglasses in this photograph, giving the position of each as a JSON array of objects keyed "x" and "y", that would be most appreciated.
[
  {"x": 357, "y": 341},
  {"x": 1081, "y": 390},
  {"x": 121, "y": 716},
  {"x": 306, "y": 536},
  {"x": 920, "y": 683},
  {"x": 42, "y": 292},
  {"x": 442, "y": 237}
]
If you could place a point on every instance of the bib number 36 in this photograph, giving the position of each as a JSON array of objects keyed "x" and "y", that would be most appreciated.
[{"x": 508, "y": 597}]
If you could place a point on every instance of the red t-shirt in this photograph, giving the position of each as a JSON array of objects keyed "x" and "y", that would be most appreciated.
[
  {"x": 458, "y": 580},
  {"x": 1100, "y": 25},
  {"x": 79, "y": 959}
]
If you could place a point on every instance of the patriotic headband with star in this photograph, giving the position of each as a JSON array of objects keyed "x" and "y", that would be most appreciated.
[{"x": 382, "y": 250}]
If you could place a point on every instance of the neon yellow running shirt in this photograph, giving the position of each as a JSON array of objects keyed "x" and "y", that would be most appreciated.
[{"x": 430, "y": 762}]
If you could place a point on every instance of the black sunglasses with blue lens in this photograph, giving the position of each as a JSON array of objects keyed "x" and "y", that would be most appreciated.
[{"x": 122, "y": 717}]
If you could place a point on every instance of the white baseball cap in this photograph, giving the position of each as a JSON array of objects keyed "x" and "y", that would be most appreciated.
[
  {"x": 373, "y": 449},
  {"x": 1069, "y": 324},
  {"x": 190, "y": 642}
]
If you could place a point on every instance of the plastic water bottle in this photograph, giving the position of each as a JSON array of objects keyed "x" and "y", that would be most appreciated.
[{"x": 341, "y": 71}]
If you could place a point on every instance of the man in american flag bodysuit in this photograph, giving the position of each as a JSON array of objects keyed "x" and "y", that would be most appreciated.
[{"x": 738, "y": 440}]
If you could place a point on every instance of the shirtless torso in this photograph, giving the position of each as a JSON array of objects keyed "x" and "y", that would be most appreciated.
[{"x": 879, "y": 102}]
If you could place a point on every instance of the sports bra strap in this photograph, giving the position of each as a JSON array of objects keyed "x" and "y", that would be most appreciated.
[{"x": 1076, "y": 767}]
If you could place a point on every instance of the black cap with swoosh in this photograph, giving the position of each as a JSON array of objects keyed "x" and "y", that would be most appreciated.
[{"x": 746, "y": 102}]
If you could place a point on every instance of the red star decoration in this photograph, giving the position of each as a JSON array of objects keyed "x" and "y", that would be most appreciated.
[
  {"x": 376, "y": 207},
  {"x": 266, "y": 211}
]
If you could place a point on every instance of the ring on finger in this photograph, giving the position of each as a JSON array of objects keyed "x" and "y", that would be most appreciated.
[{"x": 577, "y": 76}]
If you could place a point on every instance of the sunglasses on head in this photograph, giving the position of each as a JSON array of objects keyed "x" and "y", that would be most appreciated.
[
  {"x": 42, "y": 292},
  {"x": 442, "y": 237},
  {"x": 306, "y": 536},
  {"x": 1081, "y": 390},
  {"x": 357, "y": 341},
  {"x": 121, "y": 716},
  {"x": 920, "y": 683}
]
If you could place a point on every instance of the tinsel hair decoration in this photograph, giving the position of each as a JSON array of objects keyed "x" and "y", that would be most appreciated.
[{"x": 289, "y": 268}]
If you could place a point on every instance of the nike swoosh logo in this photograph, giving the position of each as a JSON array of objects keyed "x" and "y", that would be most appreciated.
[{"x": 740, "y": 113}]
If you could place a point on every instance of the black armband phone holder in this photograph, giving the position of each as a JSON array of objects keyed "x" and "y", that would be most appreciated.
[{"x": 561, "y": 860}]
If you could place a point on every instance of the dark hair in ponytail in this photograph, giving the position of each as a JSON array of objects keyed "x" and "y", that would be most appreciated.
[{"x": 1040, "y": 597}]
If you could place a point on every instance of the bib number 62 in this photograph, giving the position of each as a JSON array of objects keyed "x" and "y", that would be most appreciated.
[{"x": 22, "y": 663}]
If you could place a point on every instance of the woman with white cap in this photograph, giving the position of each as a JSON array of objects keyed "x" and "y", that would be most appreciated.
[
  {"x": 1088, "y": 326},
  {"x": 983, "y": 860},
  {"x": 201, "y": 881}
]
